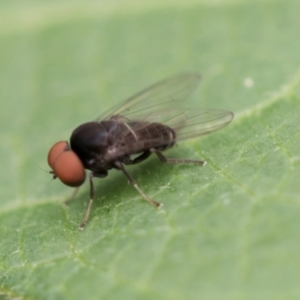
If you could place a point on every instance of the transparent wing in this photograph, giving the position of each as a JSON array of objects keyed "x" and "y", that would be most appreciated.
[
  {"x": 159, "y": 96},
  {"x": 194, "y": 122}
]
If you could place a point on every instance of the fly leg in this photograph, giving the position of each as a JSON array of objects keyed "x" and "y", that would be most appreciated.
[
  {"x": 72, "y": 196},
  {"x": 88, "y": 210},
  {"x": 120, "y": 166},
  {"x": 138, "y": 159},
  {"x": 166, "y": 160}
]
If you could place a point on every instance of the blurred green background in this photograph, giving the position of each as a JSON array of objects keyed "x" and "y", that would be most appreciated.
[{"x": 227, "y": 231}]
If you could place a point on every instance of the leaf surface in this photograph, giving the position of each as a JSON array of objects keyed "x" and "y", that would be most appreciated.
[{"x": 229, "y": 230}]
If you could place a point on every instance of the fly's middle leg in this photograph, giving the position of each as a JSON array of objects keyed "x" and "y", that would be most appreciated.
[
  {"x": 120, "y": 166},
  {"x": 138, "y": 159},
  {"x": 166, "y": 160}
]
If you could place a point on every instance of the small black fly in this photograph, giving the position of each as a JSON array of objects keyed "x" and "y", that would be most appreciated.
[{"x": 149, "y": 122}]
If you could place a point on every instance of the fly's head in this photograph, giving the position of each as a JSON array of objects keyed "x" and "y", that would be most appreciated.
[{"x": 66, "y": 165}]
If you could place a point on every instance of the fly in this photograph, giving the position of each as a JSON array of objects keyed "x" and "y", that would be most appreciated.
[{"x": 148, "y": 123}]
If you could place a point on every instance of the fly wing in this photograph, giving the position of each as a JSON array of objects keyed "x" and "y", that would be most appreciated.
[
  {"x": 192, "y": 122},
  {"x": 161, "y": 103},
  {"x": 157, "y": 97}
]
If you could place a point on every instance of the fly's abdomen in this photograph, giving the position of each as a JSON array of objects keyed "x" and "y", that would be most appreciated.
[
  {"x": 127, "y": 138},
  {"x": 150, "y": 135}
]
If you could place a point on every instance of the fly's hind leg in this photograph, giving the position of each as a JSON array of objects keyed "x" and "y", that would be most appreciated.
[
  {"x": 120, "y": 166},
  {"x": 166, "y": 160}
]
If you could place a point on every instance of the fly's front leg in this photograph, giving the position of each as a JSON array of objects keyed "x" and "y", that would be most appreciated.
[
  {"x": 166, "y": 160},
  {"x": 72, "y": 196},
  {"x": 88, "y": 210},
  {"x": 120, "y": 166}
]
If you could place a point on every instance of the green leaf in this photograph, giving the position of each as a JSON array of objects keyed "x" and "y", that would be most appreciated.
[{"x": 229, "y": 230}]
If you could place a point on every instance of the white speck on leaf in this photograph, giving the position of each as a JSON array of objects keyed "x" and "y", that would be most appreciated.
[{"x": 248, "y": 82}]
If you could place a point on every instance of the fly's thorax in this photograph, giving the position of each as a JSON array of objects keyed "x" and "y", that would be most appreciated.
[
  {"x": 89, "y": 141},
  {"x": 99, "y": 144}
]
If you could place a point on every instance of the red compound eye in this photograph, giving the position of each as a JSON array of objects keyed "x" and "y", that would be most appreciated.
[
  {"x": 66, "y": 165},
  {"x": 57, "y": 149}
]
